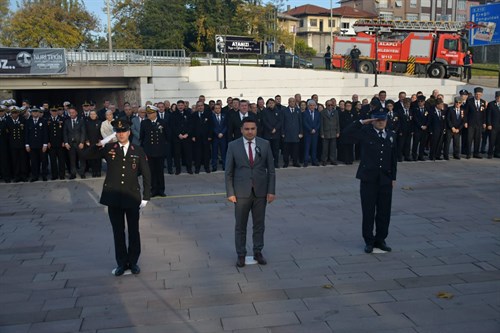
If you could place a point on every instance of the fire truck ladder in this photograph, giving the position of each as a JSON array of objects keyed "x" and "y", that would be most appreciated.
[{"x": 372, "y": 25}]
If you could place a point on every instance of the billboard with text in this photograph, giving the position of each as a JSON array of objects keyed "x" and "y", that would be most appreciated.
[{"x": 26, "y": 61}]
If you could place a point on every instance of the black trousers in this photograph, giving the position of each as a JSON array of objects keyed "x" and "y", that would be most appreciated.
[
  {"x": 38, "y": 159},
  {"x": 346, "y": 153},
  {"x": 455, "y": 137},
  {"x": 419, "y": 143},
  {"x": 436, "y": 145},
  {"x": 19, "y": 160},
  {"x": 467, "y": 72},
  {"x": 465, "y": 141},
  {"x": 169, "y": 156},
  {"x": 125, "y": 256},
  {"x": 57, "y": 159},
  {"x": 494, "y": 146},
  {"x": 474, "y": 136},
  {"x": 275, "y": 148},
  {"x": 291, "y": 149},
  {"x": 376, "y": 202},
  {"x": 242, "y": 209},
  {"x": 157, "y": 175},
  {"x": 404, "y": 141},
  {"x": 5, "y": 163},
  {"x": 183, "y": 147},
  {"x": 201, "y": 154},
  {"x": 485, "y": 138},
  {"x": 75, "y": 154}
]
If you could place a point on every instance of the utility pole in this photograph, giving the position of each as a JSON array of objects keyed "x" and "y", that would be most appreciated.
[
  {"x": 110, "y": 42},
  {"x": 377, "y": 29}
]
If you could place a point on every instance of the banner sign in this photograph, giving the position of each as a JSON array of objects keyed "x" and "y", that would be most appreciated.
[
  {"x": 488, "y": 17},
  {"x": 23, "y": 61},
  {"x": 237, "y": 44}
]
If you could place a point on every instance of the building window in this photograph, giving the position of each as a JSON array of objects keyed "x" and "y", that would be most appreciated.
[
  {"x": 383, "y": 4},
  {"x": 413, "y": 3},
  {"x": 425, "y": 16},
  {"x": 398, "y": 18},
  {"x": 331, "y": 23},
  {"x": 461, "y": 17},
  {"x": 385, "y": 15},
  {"x": 425, "y": 3},
  {"x": 438, "y": 3},
  {"x": 412, "y": 17},
  {"x": 345, "y": 25},
  {"x": 313, "y": 22},
  {"x": 461, "y": 4}
]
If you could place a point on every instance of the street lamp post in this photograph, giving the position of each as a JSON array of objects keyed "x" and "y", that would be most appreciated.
[{"x": 377, "y": 29}]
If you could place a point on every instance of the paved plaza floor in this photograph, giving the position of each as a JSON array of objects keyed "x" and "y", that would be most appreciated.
[{"x": 56, "y": 257}]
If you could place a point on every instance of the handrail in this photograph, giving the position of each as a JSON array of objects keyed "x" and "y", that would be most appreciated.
[{"x": 127, "y": 56}]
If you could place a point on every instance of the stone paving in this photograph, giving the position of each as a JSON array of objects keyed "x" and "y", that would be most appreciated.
[{"x": 56, "y": 257}]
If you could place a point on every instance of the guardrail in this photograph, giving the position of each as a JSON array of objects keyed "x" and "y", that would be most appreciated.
[
  {"x": 127, "y": 57},
  {"x": 207, "y": 58}
]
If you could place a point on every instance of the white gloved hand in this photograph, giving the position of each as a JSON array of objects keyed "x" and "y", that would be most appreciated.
[
  {"x": 108, "y": 138},
  {"x": 143, "y": 204}
]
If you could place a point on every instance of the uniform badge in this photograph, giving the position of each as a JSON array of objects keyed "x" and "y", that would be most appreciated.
[
  {"x": 112, "y": 153},
  {"x": 426, "y": 113},
  {"x": 134, "y": 166},
  {"x": 392, "y": 139},
  {"x": 40, "y": 124}
]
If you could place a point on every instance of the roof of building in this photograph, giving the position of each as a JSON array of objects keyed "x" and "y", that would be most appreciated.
[
  {"x": 284, "y": 16},
  {"x": 345, "y": 11}
]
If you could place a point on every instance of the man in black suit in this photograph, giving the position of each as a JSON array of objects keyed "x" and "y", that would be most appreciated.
[
  {"x": 420, "y": 116},
  {"x": 121, "y": 192},
  {"x": 182, "y": 133},
  {"x": 493, "y": 124},
  {"x": 202, "y": 136},
  {"x": 56, "y": 144},
  {"x": 16, "y": 137},
  {"x": 475, "y": 121},
  {"x": 405, "y": 130},
  {"x": 250, "y": 185},
  {"x": 235, "y": 119},
  {"x": 437, "y": 129},
  {"x": 292, "y": 132},
  {"x": 455, "y": 123},
  {"x": 4, "y": 146},
  {"x": 153, "y": 139},
  {"x": 36, "y": 144},
  {"x": 219, "y": 142},
  {"x": 74, "y": 141},
  {"x": 272, "y": 124},
  {"x": 377, "y": 173}
]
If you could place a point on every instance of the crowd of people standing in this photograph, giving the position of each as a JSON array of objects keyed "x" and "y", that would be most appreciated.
[{"x": 49, "y": 141}]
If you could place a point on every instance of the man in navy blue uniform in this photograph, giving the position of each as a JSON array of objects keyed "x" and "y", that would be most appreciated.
[
  {"x": 420, "y": 117},
  {"x": 475, "y": 122},
  {"x": 36, "y": 143},
  {"x": 57, "y": 155},
  {"x": 219, "y": 143},
  {"x": 202, "y": 137},
  {"x": 437, "y": 129},
  {"x": 121, "y": 192},
  {"x": 493, "y": 124},
  {"x": 312, "y": 122},
  {"x": 455, "y": 123},
  {"x": 377, "y": 173},
  {"x": 4, "y": 146}
]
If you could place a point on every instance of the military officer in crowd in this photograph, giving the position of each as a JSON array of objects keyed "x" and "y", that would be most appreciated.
[
  {"x": 121, "y": 193},
  {"x": 475, "y": 122},
  {"x": 153, "y": 137},
  {"x": 74, "y": 141},
  {"x": 55, "y": 145},
  {"x": 4, "y": 146},
  {"x": 182, "y": 133},
  {"x": 36, "y": 144},
  {"x": 16, "y": 139},
  {"x": 454, "y": 125},
  {"x": 377, "y": 175}
]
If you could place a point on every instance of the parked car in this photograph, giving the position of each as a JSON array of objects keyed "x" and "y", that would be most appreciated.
[{"x": 289, "y": 60}]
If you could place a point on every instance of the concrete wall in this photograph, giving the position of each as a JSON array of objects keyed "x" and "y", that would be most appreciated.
[{"x": 188, "y": 83}]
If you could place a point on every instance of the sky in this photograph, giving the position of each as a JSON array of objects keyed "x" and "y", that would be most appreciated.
[{"x": 97, "y": 6}]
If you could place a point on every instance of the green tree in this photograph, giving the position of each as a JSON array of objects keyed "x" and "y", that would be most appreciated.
[
  {"x": 163, "y": 24},
  {"x": 125, "y": 29},
  {"x": 49, "y": 23},
  {"x": 304, "y": 50},
  {"x": 4, "y": 13}
]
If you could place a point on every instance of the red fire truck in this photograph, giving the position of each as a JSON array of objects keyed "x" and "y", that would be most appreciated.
[{"x": 413, "y": 47}]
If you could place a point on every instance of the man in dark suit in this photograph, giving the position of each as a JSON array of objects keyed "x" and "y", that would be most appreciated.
[
  {"x": 272, "y": 123},
  {"x": 4, "y": 146},
  {"x": 377, "y": 173},
  {"x": 74, "y": 141},
  {"x": 153, "y": 138},
  {"x": 405, "y": 130},
  {"x": 250, "y": 185},
  {"x": 121, "y": 192},
  {"x": 329, "y": 132},
  {"x": 202, "y": 136},
  {"x": 292, "y": 132},
  {"x": 455, "y": 123},
  {"x": 420, "y": 116},
  {"x": 312, "y": 122},
  {"x": 56, "y": 144},
  {"x": 16, "y": 137},
  {"x": 437, "y": 130},
  {"x": 493, "y": 124},
  {"x": 182, "y": 133},
  {"x": 235, "y": 119},
  {"x": 36, "y": 143},
  {"x": 219, "y": 142},
  {"x": 475, "y": 121}
]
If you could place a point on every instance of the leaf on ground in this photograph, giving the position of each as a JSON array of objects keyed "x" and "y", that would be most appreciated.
[
  {"x": 407, "y": 188},
  {"x": 496, "y": 219},
  {"x": 327, "y": 286},
  {"x": 444, "y": 295}
]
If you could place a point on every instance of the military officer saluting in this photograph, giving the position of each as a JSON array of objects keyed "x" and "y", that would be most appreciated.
[
  {"x": 36, "y": 144},
  {"x": 153, "y": 138},
  {"x": 18, "y": 155},
  {"x": 121, "y": 192}
]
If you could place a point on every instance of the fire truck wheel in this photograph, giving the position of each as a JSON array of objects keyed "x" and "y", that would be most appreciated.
[
  {"x": 437, "y": 71},
  {"x": 366, "y": 67}
]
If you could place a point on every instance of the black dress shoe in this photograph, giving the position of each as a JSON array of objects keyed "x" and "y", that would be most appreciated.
[
  {"x": 316, "y": 164},
  {"x": 135, "y": 269},
  {"x": 241, "y": 261},
  {"x": 478, "y": 156},
  {"x": 177, "y": 173},
  {"x": 323, "y": 163},
  {"x": 119, "y": 270},
  {"x": 285, "y": 165},
  {"x": 259, "y": 258},
  {"x": 191, "y": 172},
  {"x": 468, "y": 157},
  {"x": 32, "y": 180},
  {"x": 214, "y": 169},
  {"x": 334, "y": 163},
  {"x": 170, "y": 172},
  {"x": 83, "y": 176},
  {"x": 161, "y": 194},
  {"x": 368, "y": 248},
  {"x": 305, "y": 165},
  {"x": 383, "y": 247},
  {"x": 297, "y": 165},
  {"x": 44, "y": 179},
  {"x": 53, "y": 178}
]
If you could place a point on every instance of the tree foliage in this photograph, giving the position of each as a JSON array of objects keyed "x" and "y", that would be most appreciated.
[
  {"x": 125, "y": 30},
  {"x": 49, "y": 23},
  {"x": 304, "y": 50},
  {"x": 163, "y": 24}
]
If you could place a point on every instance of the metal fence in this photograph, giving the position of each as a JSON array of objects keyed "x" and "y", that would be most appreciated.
[{"x": 176, "y": 57}]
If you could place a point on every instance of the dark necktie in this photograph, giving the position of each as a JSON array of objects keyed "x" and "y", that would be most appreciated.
[
  {"x": 123, "y": 150},
  {"x": 381, "y": 134},
  {"x": 458, "y": 113},
  {"x": 250, "y": 153},
  {"x": 74, "y": 123},
  {"x": 218, "y": 119}
]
